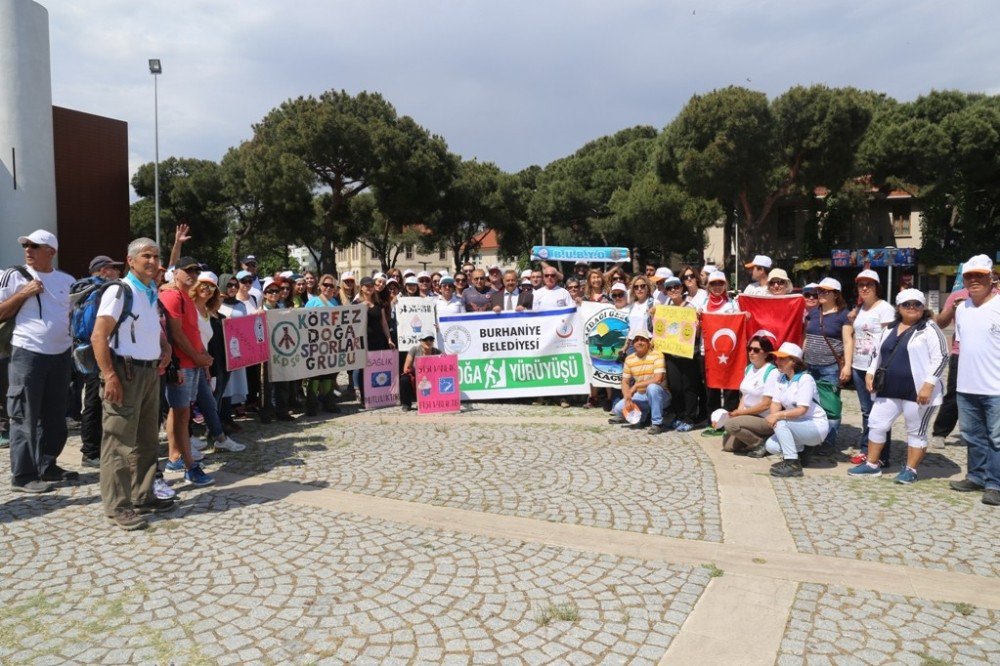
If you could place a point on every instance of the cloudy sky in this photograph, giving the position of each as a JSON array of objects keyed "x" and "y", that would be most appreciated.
[{"x": 513, "y": 82}]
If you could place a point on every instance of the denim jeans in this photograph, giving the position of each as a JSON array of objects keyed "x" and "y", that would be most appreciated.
[
  {"x": 979, "y": 420},
  {"x": 206, "y": 403},
  {"x": 36, "y": 403},
  {"x": 791, "y": 437},
  {"x": 652, "y": 403},
  {"x": 866, "y": 400},
  {"x": 831, "y": 375}
]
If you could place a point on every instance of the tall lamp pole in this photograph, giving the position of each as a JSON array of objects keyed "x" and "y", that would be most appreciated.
[{"x": 156, "y": 69}]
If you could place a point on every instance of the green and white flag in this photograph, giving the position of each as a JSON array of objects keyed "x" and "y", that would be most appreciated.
[{"x": 517, "y": 354}]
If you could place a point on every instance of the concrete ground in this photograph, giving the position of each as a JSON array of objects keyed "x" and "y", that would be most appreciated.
[{"x": 507, "y": 534}]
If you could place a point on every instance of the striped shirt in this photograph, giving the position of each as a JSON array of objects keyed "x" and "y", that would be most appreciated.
[{"x": 645, "y": 368}]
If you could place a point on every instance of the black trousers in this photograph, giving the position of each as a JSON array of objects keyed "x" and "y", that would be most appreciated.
[
  {"x": 91, "y": 415},
  {"x": 686, "y": 385},
  {"x": 947, "y": 415}
]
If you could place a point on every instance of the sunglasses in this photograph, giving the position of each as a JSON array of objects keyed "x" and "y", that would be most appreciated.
[
  {"x": 481, "y": 277},
  {"x": 33, "y": 246},
  {"x": 674, "y": 287},
  {"x": 193, "y": 270},
  {"x": 551, "y": 275},
  {"x": 328, "y": 285},
  {"x": 209, "y": 287},
  {"x": 233, "y": 285},
  {"x": 776, "y": 283},
  {"x": 689, "y": 277},
  {"x": 271, "y": 292},
  {"x": 618, "y": 294},
  {"x": 246, "y": 281},
  {"x": 810, "y": 294},
  {"x": 912, "y": 305},
  {"x": 640, "y": 286},
  {"x": 754, "y": 350}
]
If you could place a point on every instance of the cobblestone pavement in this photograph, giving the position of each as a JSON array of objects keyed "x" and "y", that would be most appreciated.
[
  {"x": 596, "y": 475},
  {"x": 846, "y": 627},
  {"x": 923, "y": 525},
  {"x": 230, "y": 579}
]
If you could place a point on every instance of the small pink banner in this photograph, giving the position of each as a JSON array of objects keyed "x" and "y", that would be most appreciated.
[
  {"x": 382, "y": 379},
  {"x": 437, "y": 384},
  {"x": 246, "y": 341}
]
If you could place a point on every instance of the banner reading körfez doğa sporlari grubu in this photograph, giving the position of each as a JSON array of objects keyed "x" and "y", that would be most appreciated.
[
  {"x": 517, "y": 354},
  {"x": 306, "y": 342}
]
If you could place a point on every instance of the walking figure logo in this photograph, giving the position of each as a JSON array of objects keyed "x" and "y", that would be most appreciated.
[
  {"x": 496, "y": 376},
  {"x": 285, "y": 339}
]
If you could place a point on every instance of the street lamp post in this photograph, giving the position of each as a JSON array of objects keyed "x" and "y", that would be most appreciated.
[{"x": 156, "y": 69}]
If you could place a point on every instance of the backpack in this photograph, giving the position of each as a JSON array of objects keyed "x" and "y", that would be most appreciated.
[
  {"x": 85, "y": 298},
  {"x": 7, "y": 326}
]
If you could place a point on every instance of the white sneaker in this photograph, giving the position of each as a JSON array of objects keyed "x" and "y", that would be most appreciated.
[
  {"x": 938, "y": 442},
  {"x": 198, "y": 443},
  {"x": 229, "y": 444},
  {"x": 196, "y": 455},
  {"x": 162, "y": 490}
]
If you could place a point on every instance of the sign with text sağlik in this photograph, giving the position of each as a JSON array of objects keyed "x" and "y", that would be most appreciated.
[
  {"x": 414, "y": 319},
  {"x": 607, "y": 255},
  {"x": 306, "y": 342},
  {"x": 517, "y": 354}
]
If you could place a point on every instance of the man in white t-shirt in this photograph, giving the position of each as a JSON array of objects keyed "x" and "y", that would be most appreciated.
[
  {"x": 40, "y": 364},
  {"x": 130, "y": 360},
  {"x": 550, "y": 296},
  {"x": 977, "y": 328},
  {"x": 759, "y": 268}
]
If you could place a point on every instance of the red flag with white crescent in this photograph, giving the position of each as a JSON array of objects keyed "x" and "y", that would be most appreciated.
[
  {"x": 776, "y": 317},
  {"x": 725, "y": 349}
]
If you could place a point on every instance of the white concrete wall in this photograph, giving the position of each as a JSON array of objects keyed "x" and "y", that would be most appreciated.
[{"x": 25, "y": 126}]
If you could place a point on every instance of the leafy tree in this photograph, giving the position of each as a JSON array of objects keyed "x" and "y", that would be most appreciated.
[
  {"x": 572, "y": 194},
  {"x": 351, "y": 144},
  {"x": 945, "y": 148},
  {"x": 480, "y": 199},
  {"x": 269, "y": 200},
  {"x": 190, "y": 192},
  {"x": 735, "y": 147}
]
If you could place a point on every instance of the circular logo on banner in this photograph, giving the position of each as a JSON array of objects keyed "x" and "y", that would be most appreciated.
[
  {"x": 457, "y": 340},
  {"x": 285, "y": 339},
  {"x": 565, "y": 328},
  {"x": 543, "y": 253}
]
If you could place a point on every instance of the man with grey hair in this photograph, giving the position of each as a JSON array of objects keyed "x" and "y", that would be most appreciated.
[
  {"x": 36, "y": 296},
  {"x": 130, "y": 359}
]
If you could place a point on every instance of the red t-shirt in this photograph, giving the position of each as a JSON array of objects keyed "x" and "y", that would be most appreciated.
[{"x": 180, "y": 306}]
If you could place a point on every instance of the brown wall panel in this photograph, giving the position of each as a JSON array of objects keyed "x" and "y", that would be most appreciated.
[{"x": 92, "y": 188}]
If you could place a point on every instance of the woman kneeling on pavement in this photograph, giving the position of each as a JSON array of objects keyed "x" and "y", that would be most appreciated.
[
  {"x": 746, "y": 428},
  {"x": 796, "y": 415},
  {"x": 911, "y": 353}
]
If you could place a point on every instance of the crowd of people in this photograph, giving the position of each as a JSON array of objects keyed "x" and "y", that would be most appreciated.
[{"x": 158, "y": 361}]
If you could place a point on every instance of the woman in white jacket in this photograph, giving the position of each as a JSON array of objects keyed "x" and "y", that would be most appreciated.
[{"x": 910, "y": 357}]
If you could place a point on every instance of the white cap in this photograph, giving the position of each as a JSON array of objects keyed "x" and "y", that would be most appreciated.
[
  {"x": 526, "y": 273},
  {"x": 662, "y": 273},
  {"x": 789, "y": 349},
  {"x": 778, "y": 274},
  {"x": 208, "y": 276},
  {"x": 347, "y": 275},
  {"x": 40, "y": 237},
  {"x": 910, "y": 295},
  {"x": 715, "y": 276},
  {"x": 868, "y": 274},
  {"x": 978, "y": 264},
  {"x": 525, "y": 281},
  {"x": 494, "y": 267},
  {"x": 829, "y": 283},
  {"x": 408, "y": 272},
  {"x": 719, "y": 418},
  {"x": 641, "y": 332},
  {"x": 392, "y": 280},
  {"x": 709, "y": 268},
  {"x": 287, "y": 274},
  {"x": 761, "y": 260},
  {"x": 619, "y": 286},
  {"x": 811, "y": 285},
  {"x": 378, "y": 276},
  {"x": 266, "y": 283},
  {"x": 411, "y": 279},
  {"x": 423, "y": 274}
]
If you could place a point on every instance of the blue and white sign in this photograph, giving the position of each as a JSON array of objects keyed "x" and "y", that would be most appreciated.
[{"x": 607, "y": 255}]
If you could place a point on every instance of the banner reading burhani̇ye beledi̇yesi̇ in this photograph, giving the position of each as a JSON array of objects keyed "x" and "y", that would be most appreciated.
[{"x": 517, "y": 354}]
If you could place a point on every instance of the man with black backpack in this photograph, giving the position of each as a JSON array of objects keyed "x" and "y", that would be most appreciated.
[
  {"x": 86, "y": 295},
  {"x": 36, "y": 297}
]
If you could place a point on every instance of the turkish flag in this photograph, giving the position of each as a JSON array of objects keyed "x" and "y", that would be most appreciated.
[
  {"x": 725, "y": 349},
  {"x": 776, "y": 317}
]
